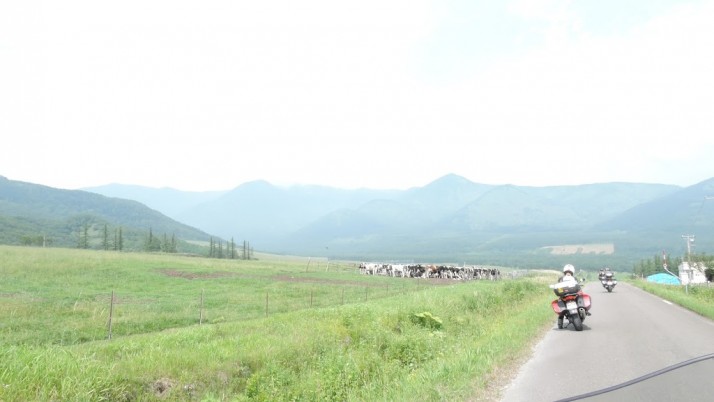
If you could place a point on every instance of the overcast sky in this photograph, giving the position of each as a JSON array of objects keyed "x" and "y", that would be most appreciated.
[{"x": 379, "y": 94}]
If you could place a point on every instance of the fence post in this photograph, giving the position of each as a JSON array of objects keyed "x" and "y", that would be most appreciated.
[
  {"x": 111, "y": 314},
  {"x": 200, "y": 314},
  {"x": 266, "y": 304}
]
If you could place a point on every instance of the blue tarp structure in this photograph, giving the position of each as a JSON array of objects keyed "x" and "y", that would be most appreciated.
[{"x": 666, "y": 279}]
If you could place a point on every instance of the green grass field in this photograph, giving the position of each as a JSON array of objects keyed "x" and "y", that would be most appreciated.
[{"x": 274, "y": 329}]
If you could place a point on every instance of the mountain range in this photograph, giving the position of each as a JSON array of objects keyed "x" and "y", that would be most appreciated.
[{"x": 448, "y": 220}]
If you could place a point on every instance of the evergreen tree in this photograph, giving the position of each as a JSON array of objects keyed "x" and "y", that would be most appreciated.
[
  {"x": 149, "y": 240},
  {"x": 105, "y": 238},
  {"x": 83, "y": 236},
  {"x": 153, "y": 243},
  {"x": 246, "y": 252}
]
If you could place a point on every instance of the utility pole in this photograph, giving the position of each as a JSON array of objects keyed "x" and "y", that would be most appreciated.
[
  {"x": 690, "y": 240},
  {"x": 690, "y": 274}
]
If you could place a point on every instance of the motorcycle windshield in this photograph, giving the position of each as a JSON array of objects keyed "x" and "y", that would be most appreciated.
[{"x": 686, "y": 381}]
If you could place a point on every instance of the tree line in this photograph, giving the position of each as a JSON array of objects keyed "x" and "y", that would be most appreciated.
[
  {"x": 92, "y": 236},
  {"x": 655, "y": 265},
  {"x": 108, "y": 240},
  {"x": 230, "y": 251},
  {"x": 166, "y": 244},
  {"x": 162, "y": 243}
]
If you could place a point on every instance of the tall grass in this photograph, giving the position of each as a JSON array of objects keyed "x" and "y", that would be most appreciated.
[{"x": 409, "y": 341}]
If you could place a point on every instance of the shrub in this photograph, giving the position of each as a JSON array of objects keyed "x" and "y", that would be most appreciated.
[{"x": 426, "y": 320}]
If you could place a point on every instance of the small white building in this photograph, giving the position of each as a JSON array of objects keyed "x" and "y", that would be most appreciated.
[{"x": 692, "y": 274}]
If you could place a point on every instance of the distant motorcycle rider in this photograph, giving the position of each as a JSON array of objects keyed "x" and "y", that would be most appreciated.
[
  {"x": 606, "y": 273},
  {"x": 608, "y": 279}
]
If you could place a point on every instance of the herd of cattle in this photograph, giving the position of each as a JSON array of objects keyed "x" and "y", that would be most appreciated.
[{"x": 430, "y": 271}]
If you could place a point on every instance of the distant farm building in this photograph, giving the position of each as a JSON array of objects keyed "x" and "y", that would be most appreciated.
[{"x": 693, "y": 273}]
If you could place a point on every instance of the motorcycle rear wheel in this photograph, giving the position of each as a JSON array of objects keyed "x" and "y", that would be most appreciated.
[
  {"x": 560, "y": 322},
  {"x": 577, "y": 322}
]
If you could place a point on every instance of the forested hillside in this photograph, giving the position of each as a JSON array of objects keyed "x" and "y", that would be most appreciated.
[{"x": 33, "y": 214}]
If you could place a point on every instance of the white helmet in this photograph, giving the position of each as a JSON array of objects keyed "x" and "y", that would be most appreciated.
[{"x": 569, "y": 268}]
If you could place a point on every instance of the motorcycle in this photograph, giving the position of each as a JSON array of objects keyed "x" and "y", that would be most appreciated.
[
  {"x": 608, "y": 282},
  {"x": 572, "y": 304}
]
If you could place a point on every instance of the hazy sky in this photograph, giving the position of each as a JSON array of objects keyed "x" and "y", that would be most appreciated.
[{"x": 379, "y": 94}]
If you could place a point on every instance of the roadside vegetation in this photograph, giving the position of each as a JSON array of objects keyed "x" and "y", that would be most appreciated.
[
  {"x": 697, "y": 298},
  {"x": 273, "y": 329}
]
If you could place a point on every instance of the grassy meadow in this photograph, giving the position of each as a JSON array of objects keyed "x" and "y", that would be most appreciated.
[{"x": 274, "y": 329}]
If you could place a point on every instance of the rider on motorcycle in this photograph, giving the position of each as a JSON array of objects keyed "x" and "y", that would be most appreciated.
[
  {"x": 572, "y": 303},
  {"x": 568, "y": 273}
]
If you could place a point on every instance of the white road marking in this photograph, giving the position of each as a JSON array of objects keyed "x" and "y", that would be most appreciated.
[{"x": 668, "y": 302}]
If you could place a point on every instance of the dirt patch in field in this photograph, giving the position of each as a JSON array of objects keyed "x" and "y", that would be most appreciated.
[
  {"x": 290, "y": 278},
  {"x": 175, "y": 273},
  {"x": 196, "y": 275},
  {"x": 570, "y": 249},
  {"x": 162, "y": 387}
]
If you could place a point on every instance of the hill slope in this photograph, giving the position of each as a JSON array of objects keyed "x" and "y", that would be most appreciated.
[{"x": 29, "y": 211}]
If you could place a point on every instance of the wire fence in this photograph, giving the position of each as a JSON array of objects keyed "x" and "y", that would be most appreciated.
[
  {"x": 63, "y": 319},
  {"x": 73, "y": 315}
]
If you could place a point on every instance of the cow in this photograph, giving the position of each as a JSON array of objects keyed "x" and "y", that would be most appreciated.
[{"x": 397, "y": 270}]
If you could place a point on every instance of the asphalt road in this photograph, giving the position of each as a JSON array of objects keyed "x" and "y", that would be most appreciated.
[{"x": 630, "y": 333}]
